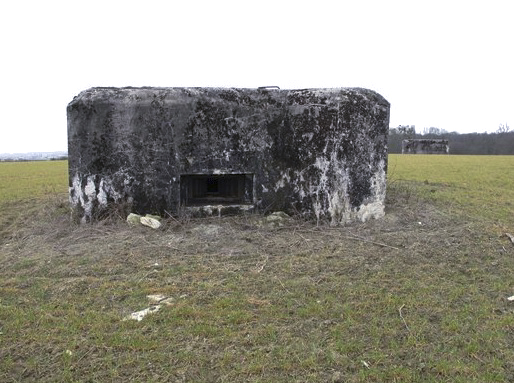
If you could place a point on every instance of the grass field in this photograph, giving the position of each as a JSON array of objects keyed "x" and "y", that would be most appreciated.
[
  {"x": 480, "y": 186},
  {"x": 22, "y": 180},
  {"x": 418, "y": 296}
]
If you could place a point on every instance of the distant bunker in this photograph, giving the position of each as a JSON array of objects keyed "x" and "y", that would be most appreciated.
[
  {"x": 425, "y": 146},
  {"x": 321, "y": 153}
]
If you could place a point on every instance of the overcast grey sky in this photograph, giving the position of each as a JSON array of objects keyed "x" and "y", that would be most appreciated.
[{"x": 446, "y": 64}]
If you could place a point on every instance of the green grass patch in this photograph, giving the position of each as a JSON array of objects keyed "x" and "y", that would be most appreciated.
[
  {"x": 20, "y": 180},
  {"x": 480, "y": 186},
  {"x": 418, "y": 296},
  {"x": 26, "y": 187}
]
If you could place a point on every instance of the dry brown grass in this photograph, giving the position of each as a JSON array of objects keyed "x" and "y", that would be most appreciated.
[{"x": 417, "y": 296}]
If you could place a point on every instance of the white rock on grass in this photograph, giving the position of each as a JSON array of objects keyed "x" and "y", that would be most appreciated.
[
  {"x": 139, "y": 315},
  {"x": 134, "y": 219},
  {"x": 150, "y": 222},
  {"x": 158, "y": 218}
]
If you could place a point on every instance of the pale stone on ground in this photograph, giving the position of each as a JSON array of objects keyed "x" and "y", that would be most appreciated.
[
  {"x": 134, "y": 219},
  {"x": 150, "y": 222}
]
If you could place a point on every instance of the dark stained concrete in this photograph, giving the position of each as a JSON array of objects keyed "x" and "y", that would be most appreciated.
[{"x": 318, "y": 152}]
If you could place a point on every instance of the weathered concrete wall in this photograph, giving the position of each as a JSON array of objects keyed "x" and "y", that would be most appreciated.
[
  {"x": 425, "y": 146},
  {"x": 320, "y": 152}
]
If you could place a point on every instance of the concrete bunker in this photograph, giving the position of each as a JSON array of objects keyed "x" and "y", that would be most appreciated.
[
  {"x": 425, "y": 146},
  {"x": 317, "y": 152}
]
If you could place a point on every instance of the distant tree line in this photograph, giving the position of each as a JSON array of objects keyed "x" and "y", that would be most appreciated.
[
  {"x": 499, "y": 143},
  {"x": 9, "y": 159}
]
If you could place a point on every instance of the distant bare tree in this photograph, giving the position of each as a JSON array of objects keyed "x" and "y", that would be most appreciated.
[
  {"x": 407, "y": 131},
  {"x": 434, "y": 131},
  {"x": 503, "y": 128}
]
